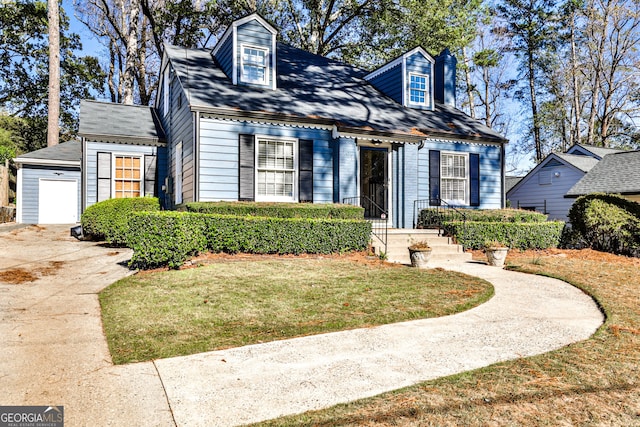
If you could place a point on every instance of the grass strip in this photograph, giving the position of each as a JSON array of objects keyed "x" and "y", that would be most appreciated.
[{"x": 229, "y": 304}]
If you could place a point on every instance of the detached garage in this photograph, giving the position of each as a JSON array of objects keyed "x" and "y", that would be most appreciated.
[{"x": 48, "y": 185}]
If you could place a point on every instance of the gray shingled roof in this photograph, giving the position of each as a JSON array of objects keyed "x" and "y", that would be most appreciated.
[
  {"x": 584, "y": 163},
  {"x": 600, "y": 151},
  {"x": 313, "y": 88},
  {"x": 69, "y": 152},
  {"x": 110, "y": 122},
  {"x": 615, "y": 173},
  {"x": 510, "y": 182}
]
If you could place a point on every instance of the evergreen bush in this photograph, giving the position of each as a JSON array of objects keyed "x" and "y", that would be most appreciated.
[
  {"x": 278, "y": 210},
  {"x": 109, "y": 220},
  {"x": 170, "y": 238},
  {"x": 605, "y": 222}
]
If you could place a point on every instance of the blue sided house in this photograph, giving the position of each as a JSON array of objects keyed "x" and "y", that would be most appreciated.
[{"x": 255, "y": 119}]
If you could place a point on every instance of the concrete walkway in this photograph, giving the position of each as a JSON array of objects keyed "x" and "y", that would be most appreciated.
[{"x": 54, "y": 352}]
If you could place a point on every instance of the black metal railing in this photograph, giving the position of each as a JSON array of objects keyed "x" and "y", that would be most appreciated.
[
  {"x": 536, "y": 206},
  {"x": 376, "y": 215},
  {"x": 437, "y": 214}
]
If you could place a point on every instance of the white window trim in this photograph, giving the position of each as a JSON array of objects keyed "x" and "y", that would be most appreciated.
[
  {"x": 296, "y": 145},
  {"x": 113, "y": 171},
  {"x": 267, "y": 68},
  {"x": 178, "y": 159},
  {"x": 166, "y": 89},
  {"x": 427, "y": 90},
  {"x": 467, "y": 178}
]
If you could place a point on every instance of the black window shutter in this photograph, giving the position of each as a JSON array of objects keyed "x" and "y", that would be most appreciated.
[
  {"x": 104, "y": 177},
  {"x": 247, "y": 167},
  {"x": 474, "y": 176},
  {"x": 149, "y": 175},
  {"x": 434, "y": 178},
  {"x": 305, "y": 170}
]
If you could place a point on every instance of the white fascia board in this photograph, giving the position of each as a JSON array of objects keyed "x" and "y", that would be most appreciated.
[
  {"x": 260, "y": 19},
  {"x": 46, "y": 162},
  {"x": 405, "y": 98},
  {"x": 234, "y": 57},
  {"x": 163, "y": 64},
  {"x": 384, "y": 68},
  {"x": 401, "y": 59},
  {"x": 274, "y": 75},
  {"x": 421, "y": 51},
  {"x": 224, "y": 37},
  {"x": 19, "y": 196}
]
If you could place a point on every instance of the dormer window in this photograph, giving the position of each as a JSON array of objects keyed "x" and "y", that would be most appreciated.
[
  {"x": 254, "y": 65},
  {"x": 418, "y": 94}
]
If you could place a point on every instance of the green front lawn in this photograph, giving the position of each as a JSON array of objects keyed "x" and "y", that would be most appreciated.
[{"x": 238, "y": 302}]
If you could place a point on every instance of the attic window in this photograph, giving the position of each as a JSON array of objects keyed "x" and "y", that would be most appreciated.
[
  {"x": 254, "y": 65},
  {"x": 418, "y": 89}
]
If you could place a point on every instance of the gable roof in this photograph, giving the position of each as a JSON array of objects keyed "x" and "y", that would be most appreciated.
[
  {"x": 399, "y": 60},
  {"x": 126, "y": 124},
  {"x": 316, "y": 90},
  {"x": 598, "y": 152},
  {"x": 230, "y": 29},
  {"x": 615, "y": 173},
  {"x": 581, "y": 163},
  {"x": 510, "y": 182},
  {"x": 64, "y": 154},
  {"x": 584, "y": 163}
]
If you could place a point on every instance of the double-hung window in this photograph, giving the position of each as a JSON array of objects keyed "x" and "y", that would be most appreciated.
[
  {"x": 276, "y": 169},
  {"x": 454, "y": 178},
  {"x": 255, "y": 65},
  {"x": 128, "y": 177},
  {"x": 418, "y": 89}
]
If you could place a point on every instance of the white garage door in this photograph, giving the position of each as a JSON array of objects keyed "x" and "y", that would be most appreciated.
[{"x": 58, "y": 202}]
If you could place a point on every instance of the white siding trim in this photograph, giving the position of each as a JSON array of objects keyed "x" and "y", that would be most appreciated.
[
  {"x": 19, "y": 194},
  {"x": 234, "y": 56}
]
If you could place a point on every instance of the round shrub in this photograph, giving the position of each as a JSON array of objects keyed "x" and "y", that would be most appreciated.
[
  {"x": 109, "y": 220},
  {"x": 606, "y": 222}
]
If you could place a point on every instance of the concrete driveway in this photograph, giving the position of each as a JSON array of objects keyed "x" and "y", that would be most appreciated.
[
  {"x": 53, "y": 348},
  {"x": 54, "y": 351}
]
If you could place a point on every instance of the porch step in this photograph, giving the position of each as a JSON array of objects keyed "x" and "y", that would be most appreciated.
[{"x": 398, "y": 241}]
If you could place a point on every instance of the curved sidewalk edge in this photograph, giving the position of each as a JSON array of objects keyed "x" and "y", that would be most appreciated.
[{"x": 528, "y": 315}]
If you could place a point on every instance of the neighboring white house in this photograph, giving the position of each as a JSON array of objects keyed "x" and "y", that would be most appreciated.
[{"x": 543, "y": 189}]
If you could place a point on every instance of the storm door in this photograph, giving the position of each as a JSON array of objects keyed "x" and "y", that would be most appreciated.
[{"x": 373, "y": 181}]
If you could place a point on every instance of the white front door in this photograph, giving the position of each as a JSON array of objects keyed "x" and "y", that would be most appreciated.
[{"x": 58, "y": 201}]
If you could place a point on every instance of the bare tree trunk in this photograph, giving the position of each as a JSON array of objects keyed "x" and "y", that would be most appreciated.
[
  {"x": 132, "y": 53},
  {"x": 534, "y": 109},
  {"x": 487, "y": 105},
  {"x": 113, "y": 90},
  {"x": 53, "y": 124},
  {"x": 598, "y": 58},
  {"x": 141, "y": 72},
  {"x": 469, "y": 88},
  {"x": 575, "y": 134}
]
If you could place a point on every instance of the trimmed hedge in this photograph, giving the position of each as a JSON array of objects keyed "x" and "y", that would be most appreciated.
[
  {"x": 109, "y": 220},
  {"x": 528, "y": 235},
  {"x": 431, "y": 216},
  {"x": 278, "y": 210},
  {"x": 170, "y": 238},
  {"x": 605, "y": 222}
]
